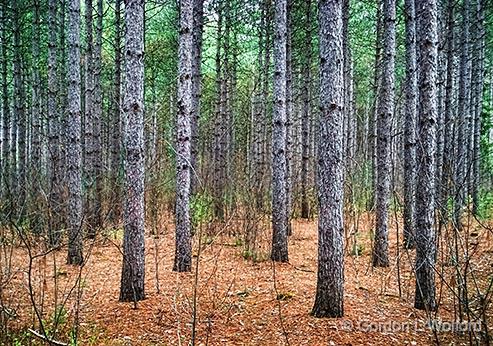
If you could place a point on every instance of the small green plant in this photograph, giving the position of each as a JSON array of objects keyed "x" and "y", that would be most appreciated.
[
  {"x": 256, "y": 257},
  {"x": 357, "y": 249},
  {"x": 201, "y": 209},
  {"x": 485, "y": 207}
]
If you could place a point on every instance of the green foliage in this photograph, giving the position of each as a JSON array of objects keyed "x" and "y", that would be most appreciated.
[
  {"x": 485, "y": 207},
  {"x": 255, "y": 256},
  {"x": 357, "y": 249},
  {"x": 201, "y": 209}
]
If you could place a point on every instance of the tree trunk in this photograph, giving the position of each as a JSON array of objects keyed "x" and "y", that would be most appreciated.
[
  {"x": 427, "y": 18},
  {"x": 410, "y": 125},
  {"x": 198, "y": 18},
  {"x": 448, "y": 144},
  {"x": 97, "y": 117},
  {"x": 18, "y": 131},
  {"x": 329, "y": 300},
  {"x": 279, "y": 199},
  {"x": 6, "y": 121},
  {"x": 306, "y": 113},
  {"x": 183, "y": 250},
  {"x": 74, "y": 150},
  {"x": 133, "y": 269},
  {"x": 115, "y": 211},
  {"x": 385, "y": 111},
  {"x": 463, "y": 119},
  {"x": 477, "y": 106},
  {"x": 289, "y": 116}
]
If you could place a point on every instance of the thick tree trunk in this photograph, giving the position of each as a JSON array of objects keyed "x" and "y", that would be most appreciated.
[
  {"x": 410, "y": 125},
  {"x": 74, "y": 150},
  {"x": 385, "y": 111},
  {"x": 133, "y": 269},
  {"x": 279, "y": 199},
  {"x": 329, "y": 300},
  {"x": 183, "y": 250},
  {"x": 427, "y": 18}
]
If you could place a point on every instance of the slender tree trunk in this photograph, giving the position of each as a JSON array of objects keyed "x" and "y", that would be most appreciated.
[
  {"x": 133, "y": 269},
  {"x": 279, "y": 199},
  {"x": 19, "y": 131},
  {"x": 427, "y": 26},
  {"x": 385, "y": 112},
  {"x": 477, "y": 106},
  {"x": 74, "y": 150},
  {"x": 372, "y": 123},
  {"x": 463, "y": 119},
  {"x": 53, "y": 129},
  {"x": 306, "y": 113},
  {"x": 89, "y": 120},
  {"x": 36, "y": 116},
  {"x": 289, "y": 116},
  {"x": 329, "y": 300},
  {"x": 6, "y": 121},
  {"x": 198, "y": 18},
  {"x": 183, "y": 250},
  {"x": 448, "y": 145},
  {"x": 97, "y": 118},
  {"x": 410, "y": 125},
  {"x": 219, "y": 154},
  {"x": 115, "y": 211}
]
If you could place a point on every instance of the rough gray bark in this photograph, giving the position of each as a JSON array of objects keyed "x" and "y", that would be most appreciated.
[
  {"x": 349, "y": 116},
  {"x": 477, "y": 105},
  {"x": 198, "y": 18},
  {"x": 73, "y": 131},
  {"x": 463, "y": 119},
  {"x": 258, "y": 117},
  {"x": 115, "y": 211},
  {"x": 410, "y": 125},
  {"x": 372, "y": 122},
  {"x": 289, "y": 116},
  {"x": 89, "y": 120},
  {"x": 133, "y": 268},
  {"x": 19, "y": 128},
  {"x": 448, "y": 145},
  {"x": 54, "y": 129},
  {"x": 6, "y": 121},
  {"x": 427, "y": 18},
  {"x": 329, "y": 300},
  {"x": 36, "y": 116},
  {"x": 97, "y": 118},
  {"x": 183, "y": 249},
  {"x": 385, "y": 111},
  {"x": 279, "y": 170},
  {"x": 220, "y": 126},
  {"x": 306, "y": 113}
]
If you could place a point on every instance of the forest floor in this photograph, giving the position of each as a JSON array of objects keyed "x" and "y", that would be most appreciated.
[{"x": 238, "y": 301}]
